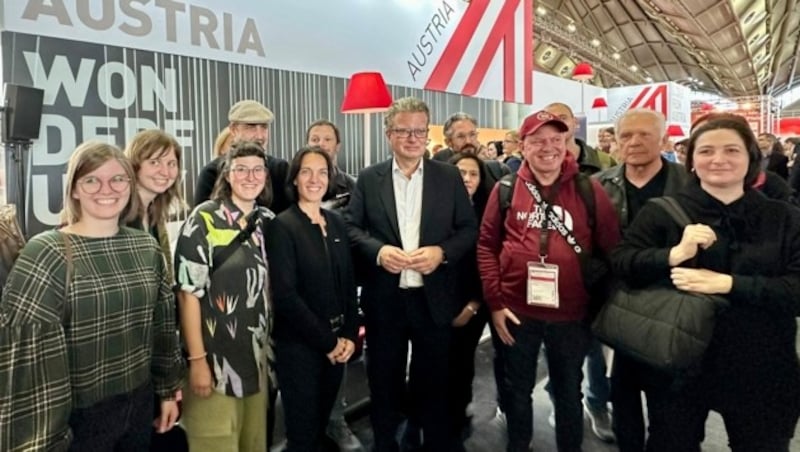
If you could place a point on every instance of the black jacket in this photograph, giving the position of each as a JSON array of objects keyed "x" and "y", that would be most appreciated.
[
  {"x": 312, "y": 279},
  {"x": 752, "y": 359},
  {"x": 613, "y": 181},
  {"x": 779, "y": 164},
  {"x": 448, "y": 220},
  {"x": 278, "y": 171}
]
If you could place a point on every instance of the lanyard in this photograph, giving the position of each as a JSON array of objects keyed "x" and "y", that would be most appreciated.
[{"x": 551, "y": 217}]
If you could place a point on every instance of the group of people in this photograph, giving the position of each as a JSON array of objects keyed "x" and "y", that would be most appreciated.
[{"x": 264, "y": 276}]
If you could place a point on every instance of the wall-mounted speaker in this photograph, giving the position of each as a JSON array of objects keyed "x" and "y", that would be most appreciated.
[{"x": 22, "y": 116}]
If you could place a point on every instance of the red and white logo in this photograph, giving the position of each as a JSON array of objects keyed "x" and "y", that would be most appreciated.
[
  {"x": 490, "y": 53},
  {"x": 652, "y": 97}
]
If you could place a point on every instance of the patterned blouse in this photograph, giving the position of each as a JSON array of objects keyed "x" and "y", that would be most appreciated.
[
  {"x": 233, "y": 293},
  {"x": 68, "y": 343}
]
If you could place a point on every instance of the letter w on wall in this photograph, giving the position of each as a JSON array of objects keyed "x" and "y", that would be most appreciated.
[{"x": 468, "y": 56}]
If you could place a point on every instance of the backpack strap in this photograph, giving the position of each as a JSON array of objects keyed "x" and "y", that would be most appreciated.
[
  {"x": 67, "y": 311},
  {"x": 254, "y": 221},
  {"x": 586, "y": 192},
  {"x": 674, "y": 209},
  {"x": 505, "y": 192}
]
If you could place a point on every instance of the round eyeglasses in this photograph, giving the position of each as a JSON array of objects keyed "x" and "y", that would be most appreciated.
[{"x": 92, "y": 185}]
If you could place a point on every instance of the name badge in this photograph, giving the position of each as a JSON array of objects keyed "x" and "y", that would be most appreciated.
[{"x": 543, "y": 285}]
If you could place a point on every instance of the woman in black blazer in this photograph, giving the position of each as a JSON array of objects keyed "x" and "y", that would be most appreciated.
[{"x": 314, "y": 298}]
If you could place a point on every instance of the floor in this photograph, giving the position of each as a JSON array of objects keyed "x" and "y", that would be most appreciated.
[{"x": 486, "y": 437}]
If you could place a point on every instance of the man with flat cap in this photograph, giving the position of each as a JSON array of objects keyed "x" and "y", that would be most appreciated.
[
  {"x": 248, "y": 120},
  {"x": 543, "y": 232}
]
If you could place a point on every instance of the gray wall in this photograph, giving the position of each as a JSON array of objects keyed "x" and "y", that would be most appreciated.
[{"x": 113, "y": 86}]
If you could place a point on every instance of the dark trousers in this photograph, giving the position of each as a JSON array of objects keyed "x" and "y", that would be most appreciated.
[
  {"x": 678, "y": 410},
  {"x": 462, "y": 369},
  {"x": 629, "y": 379},
  {"x": 499, "y": 367},
  {"x": 391, "y": 323},
  {"x": 119, "y": 423},
  {"x": 309, "y": 384},
  {"x": 566, "y": 344}
]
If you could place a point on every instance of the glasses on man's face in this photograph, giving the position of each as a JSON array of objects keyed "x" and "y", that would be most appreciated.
[
  {"x": 242, "y": 172},
  {"x": 92, "y": 185},
  {"x": 405, "y": 133},
  {"x": 466, "y": 136}
]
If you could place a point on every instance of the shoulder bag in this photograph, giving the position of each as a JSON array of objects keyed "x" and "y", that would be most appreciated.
[{"x": 662, "y": 326}]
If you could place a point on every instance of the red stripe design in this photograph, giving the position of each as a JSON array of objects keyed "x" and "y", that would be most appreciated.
[
  {"x": 446, "y": 66},
  {"x": 502, "y": 31}
]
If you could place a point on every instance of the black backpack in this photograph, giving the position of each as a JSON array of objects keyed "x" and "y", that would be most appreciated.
[
  {"x": 594, "y": 266},
  {"x": 585, "y": 190}
]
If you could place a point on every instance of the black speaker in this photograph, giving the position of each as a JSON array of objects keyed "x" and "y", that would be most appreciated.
[{"x": 23, "y": 113}]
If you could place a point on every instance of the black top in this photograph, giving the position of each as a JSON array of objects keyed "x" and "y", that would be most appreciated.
[
  {"x": 637, "y": 197},
  {"x": 314, "y": 283},
  {"x": 751, "y": 360},
  {"x": 278, "y": 171},
  {"x": 342, "y": 186}
]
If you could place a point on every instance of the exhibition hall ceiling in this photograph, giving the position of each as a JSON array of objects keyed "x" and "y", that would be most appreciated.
[{"x": 726, "y": 47}]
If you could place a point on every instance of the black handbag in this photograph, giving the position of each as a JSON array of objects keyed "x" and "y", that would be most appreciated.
[{"x": 662, "y": 326}]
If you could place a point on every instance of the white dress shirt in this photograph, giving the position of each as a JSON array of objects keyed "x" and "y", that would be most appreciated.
[{"x": 408, "y": 201}]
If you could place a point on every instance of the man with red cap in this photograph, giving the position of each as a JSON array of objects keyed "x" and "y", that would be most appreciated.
[{"x": 537, "y": 255}]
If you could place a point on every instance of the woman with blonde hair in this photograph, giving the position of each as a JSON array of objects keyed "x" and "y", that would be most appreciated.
[
  {"x": 223, "y": 142},
  {"x": 87, "y": 329}
]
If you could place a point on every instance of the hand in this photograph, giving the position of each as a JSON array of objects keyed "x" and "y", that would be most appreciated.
[
  {"x": 466, "y": 314},
  {"x": 499, "y": 320},
  {"x": 349, "y": 348},
  {"x": 168, "y": 417},
  {"x": 337, "y": 350},
  {"x": 393, "y": 259},
  {"x": 701, "y": 281},
  {"x": 694, "y": 236},
  {"x": 200, "y": 377},
  {"x": 426, "y": 259}
]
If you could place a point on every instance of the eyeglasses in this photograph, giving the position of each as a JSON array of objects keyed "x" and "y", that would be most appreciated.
[
  {"x": 464, "y": 136},
  {"x": 242, "y": 172},
  {"x": 92, "y": 185},
  {"x": 405, "y": 133}
]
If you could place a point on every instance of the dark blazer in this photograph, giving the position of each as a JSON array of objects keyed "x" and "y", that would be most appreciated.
[
  {"x": 312, "y": 279},
  {"x": 447, "y": 220},
  {"x": 778, "y": 163}
]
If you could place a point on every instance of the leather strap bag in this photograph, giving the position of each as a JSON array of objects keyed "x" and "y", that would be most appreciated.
[{"x": 662, "y": 326}]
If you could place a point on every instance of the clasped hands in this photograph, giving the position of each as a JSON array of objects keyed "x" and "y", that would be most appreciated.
[
  {"x": 696, "y": 237},
  {"x": 424, "y": 260},
  {"x": 342, "y": 352}
]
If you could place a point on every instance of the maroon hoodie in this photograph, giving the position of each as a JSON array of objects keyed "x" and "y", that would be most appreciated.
[{"x": 503, "y": 258}]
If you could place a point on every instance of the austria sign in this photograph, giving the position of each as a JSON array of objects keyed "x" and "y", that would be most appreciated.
[{"x": 478, "y": 48}]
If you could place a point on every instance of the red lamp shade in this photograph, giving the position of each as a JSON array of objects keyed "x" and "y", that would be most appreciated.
[
  {"x": 366, "y": 93},
  {"x": 599, "y": 102},
  {"x": 674, "y": 130},
  {"x": 583, "y": 72}
]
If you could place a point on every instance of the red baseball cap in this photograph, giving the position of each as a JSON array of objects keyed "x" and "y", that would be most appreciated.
[{"x": 536, "y": 120}]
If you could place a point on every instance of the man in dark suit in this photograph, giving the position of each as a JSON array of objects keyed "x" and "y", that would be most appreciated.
[
  {"x": 772, "y": 155},
  {"x": 410, "y": 220}
]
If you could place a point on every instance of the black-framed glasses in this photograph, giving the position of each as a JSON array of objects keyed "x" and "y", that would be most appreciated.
[
  {"x": 405, "y": 133},
  {"x": 92, "y": 185},
  {"x": 242, "y": 172}
]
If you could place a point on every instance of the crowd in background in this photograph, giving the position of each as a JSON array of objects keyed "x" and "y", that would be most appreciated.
[{"x": 527, "y": 236}]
